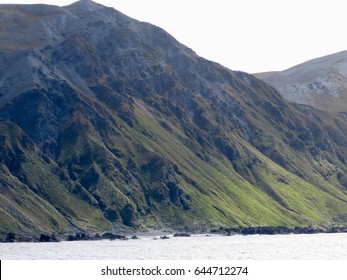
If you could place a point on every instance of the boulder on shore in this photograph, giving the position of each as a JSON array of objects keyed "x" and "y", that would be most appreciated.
[
  {"x": 164, "y": 237},
  {"x": 181, "y": 234},
  {"x": 45, "y": 238},
  {"x": 112, "y": 236},
  {"x": 11, "y": 237}
]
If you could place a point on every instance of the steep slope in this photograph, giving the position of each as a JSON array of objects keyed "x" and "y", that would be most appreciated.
[
  {"x": 110, "y": 122},
  {"x": 35, "y": 191},
  {"x": 321, "y": 82}
]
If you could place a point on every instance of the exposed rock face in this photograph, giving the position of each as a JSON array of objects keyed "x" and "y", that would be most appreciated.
[
  {"x": 108, "y": 122},
  {"x": 320, "y": 83}
]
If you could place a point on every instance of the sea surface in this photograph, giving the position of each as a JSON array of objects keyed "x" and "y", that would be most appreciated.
[{"x": 237, "y": 247}]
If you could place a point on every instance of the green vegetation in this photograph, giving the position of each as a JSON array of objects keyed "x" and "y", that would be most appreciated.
[{"x": 159, "y": 137}]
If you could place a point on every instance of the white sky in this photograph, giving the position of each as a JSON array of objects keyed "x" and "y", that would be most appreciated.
[{"x": 248, "y": 35}]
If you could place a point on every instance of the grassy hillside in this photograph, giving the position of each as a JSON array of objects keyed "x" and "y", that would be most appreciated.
[{"x": 114, "y": 124}]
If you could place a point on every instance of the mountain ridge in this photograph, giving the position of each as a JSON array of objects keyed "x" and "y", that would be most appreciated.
[
  {"x": 320, "y": 82},
  {"x": 109, "y": 122}
]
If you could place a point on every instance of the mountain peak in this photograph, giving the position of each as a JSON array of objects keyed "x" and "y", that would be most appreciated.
[
  {"x": 320, "y": 82},
  {"x": 84, "y": 6}
]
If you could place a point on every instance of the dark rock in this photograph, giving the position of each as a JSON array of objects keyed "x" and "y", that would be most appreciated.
[
  {"x": 112, "y": 215},
  {"x": 134, "y": 237},
  {"x": 164, "y": 237},
  {"x": 181, "y": 234},
  {"x": 112, "y": 236},
  {"x": 215, "y": 231},
  {"x": 26, "y": 239},
  {"x": 97, "y": 237},
  {"x": 107, "y": 235},
  {"x": 332, "y": 230},
  {"x": 307, "y": 230},
  {"x": 129, "y": 215},
  {"x": 71, "y": 238},
  {"x": 283, "y": 230},
  {"x": 267, "y": 230},
  {"x": 79, "y": 236},
  {"x": 55, "y": 238},
  {"x": 249, "y": 230},
  {"x": 45, "y": 238},
  {"x": 82, "y": 236},
  {"x": 11, "y": 237},
  {"x": 232, "y": 231}
]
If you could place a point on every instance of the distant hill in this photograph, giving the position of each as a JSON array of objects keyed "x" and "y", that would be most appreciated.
[
  {"x": 110, "y": 123},
  {"x": 321, "y": 82}
]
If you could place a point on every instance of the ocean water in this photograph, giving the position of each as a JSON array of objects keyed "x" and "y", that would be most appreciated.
[{"x": 251, "y": 247}]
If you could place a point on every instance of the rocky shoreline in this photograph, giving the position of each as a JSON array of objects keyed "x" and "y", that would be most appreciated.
[
  {"x": 271, "y": 230},
  {"x": 226, "y": 231}
]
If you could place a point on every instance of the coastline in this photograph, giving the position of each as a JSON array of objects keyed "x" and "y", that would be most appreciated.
[{"x": 167, "y": 234}]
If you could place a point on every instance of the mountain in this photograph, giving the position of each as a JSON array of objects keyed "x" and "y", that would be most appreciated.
[
  {"x": 110, "y": 123},
  {"x": 320, "y": 83}
]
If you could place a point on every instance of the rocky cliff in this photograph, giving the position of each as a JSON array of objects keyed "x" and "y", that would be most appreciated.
[{"x": 108, "y": 122}]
